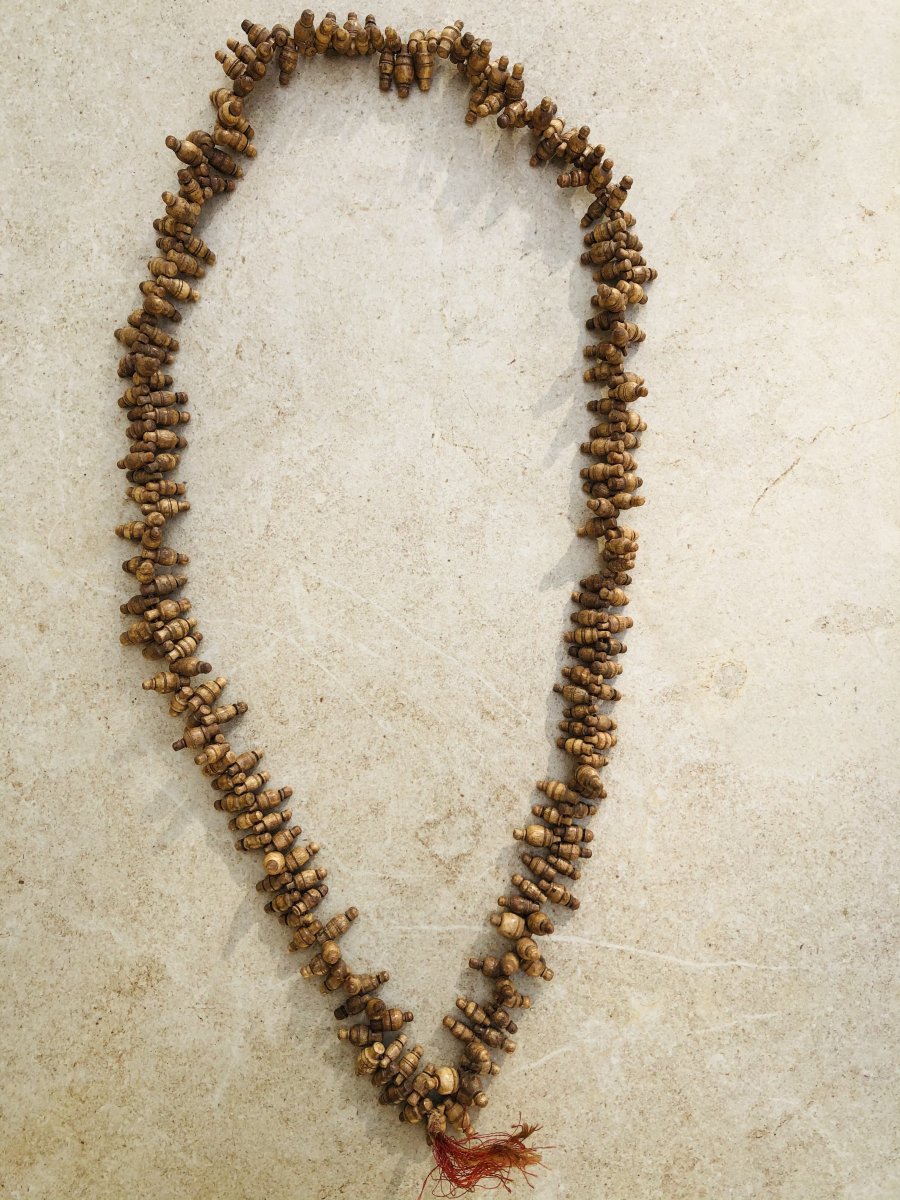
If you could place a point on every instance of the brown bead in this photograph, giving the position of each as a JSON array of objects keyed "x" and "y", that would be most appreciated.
[
  {"x": 305, "y": 936},
  {"x": 324, "y": 33},
  {"x": 507, "y": 995},
  {"x": 385, "y": 69},
  {"x": 554, "y": 892},
  {"x": 368, "y": 1058},
  {"x": 509, "y": 925},
  {"x": 339, "y": 924},
  {"x": 404, "y": 72},
  {"x": 456, "y": 1115},
  {"x": 335, "y": 977},
  {"x": 539, "y": 924},
  {"x": 449, "y": 37},
  {"x": 298, "y": 913},
  {"x": 519, "y": 904},
  {"x": 536, "y": 835},
  {"x": 165, "y": 681},
  {"x": 556, "y": 791},
  {"x": 322, "y": 962},
  {"x": 305, "y": 33},
  {"x": 423, "y": 60},
  {"x": 542, "y": 868},
  {"x": 356, "y": 985},
  {"x": 391, "y": 1019}
]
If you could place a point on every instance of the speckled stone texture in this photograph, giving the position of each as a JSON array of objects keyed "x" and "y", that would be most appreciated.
[{"x": 385, "y": 374}]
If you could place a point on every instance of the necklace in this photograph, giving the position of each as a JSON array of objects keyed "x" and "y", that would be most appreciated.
[{"x": 557, "y": 841}]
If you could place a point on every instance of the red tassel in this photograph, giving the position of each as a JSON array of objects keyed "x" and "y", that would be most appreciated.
[{"x": 480, "y": 1160}]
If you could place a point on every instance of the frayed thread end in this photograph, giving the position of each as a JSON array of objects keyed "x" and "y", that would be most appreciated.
[{"x": 481, "y": 1160}]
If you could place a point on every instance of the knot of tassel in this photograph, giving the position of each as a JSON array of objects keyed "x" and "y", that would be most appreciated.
[{"x": 479, "y": 1160}]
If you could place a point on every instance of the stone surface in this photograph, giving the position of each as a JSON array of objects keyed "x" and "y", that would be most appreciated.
[{"x": 385, "y": 372}]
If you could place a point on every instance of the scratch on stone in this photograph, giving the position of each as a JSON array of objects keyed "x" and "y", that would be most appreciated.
[
  {"x": 420, "y": 638},
  {"x": 689, "y": 963},
  {"x": 787, "y": 470},
  {"x": 778, "y": 479},
  {"x": 539, "y": 1062}
]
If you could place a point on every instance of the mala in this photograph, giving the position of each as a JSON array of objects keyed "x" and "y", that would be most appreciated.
[{"x": 556, "y": 842}]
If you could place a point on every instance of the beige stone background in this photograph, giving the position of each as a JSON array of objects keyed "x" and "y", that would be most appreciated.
[{"x": 385, "y": 376}]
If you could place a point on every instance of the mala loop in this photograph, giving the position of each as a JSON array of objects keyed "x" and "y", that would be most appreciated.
[
  {"x": 481, "y": 1160},
  {"x": 555, "y": 842}
]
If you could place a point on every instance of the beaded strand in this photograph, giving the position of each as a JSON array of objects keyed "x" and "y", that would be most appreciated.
[{"x": 557, "y": 841}]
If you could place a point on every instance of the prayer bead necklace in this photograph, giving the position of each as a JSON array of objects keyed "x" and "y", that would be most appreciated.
[{"x": 556, "y": 843}]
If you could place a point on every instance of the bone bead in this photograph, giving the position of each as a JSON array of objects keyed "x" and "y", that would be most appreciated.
[
  {"x": 165, "y": 681},
  {"x": 273, "y": 863},
  {"x": 262, "y": 841},
  {"x": 423, "y": 60},
  {"x": 368, "y": 1058},
  {"x": 450, "y": 35},
  {"x": 563, "y": 866},
  {"x": 542, "y": 868},
  {"x": 299, "y": 912},
  {"x": 554, "y": 790},
  {"x": 324, "y": 33},
  {"x": 457, "y": 1116},
  {"x": 305, "y": 33},
  {"x": 239, "y": 142},
  {"x": 404, "y": 72},
  {"x": 527, "y": 949},
  {"x": 296, "y": 859},
  {"x": 385, "y": 69},
  {"x": 335, "y": 977},
  {"x": 258, "y": 822},
  {"x": 339, "y": 924},
  {"x": 163, "y": 585},
  {"x": 447, "y": 1081},
  {"x": 588, "y": 781},
  {"x": 555, "y": 815},
  {"x": 479, "y": 59},
  {"x": 472, "y": 1010},
  {"x": 476, "y": 1057},
  {"x": 539, "y": 924},
  {"x": 240, "y": 784},
  {"x": 305, "y": 936},
  {"x": 494, "y": 968},
  {"x": 497, "y": 1017},
  {"x": 357, "y": 985},
  {"x": 196, "y": 736},
  {"x": 374, "y": 37},
  {"x": 508, "y": 924},
  {"x": 535, "y": 835},
  {"x": 519, "y": 905},
  {"x": 553, "y": 891},
  {"x": 572, "y": 851},
  {"x": 323, "y": 961},
  {"x": 181, "y": 649},
  {"x": 538, "y": 969},
  {"x": 391, "y": 1019},
  {"x": 372, "y": 1006},
  {"x": 402, "y": 1062},
  {"x": 508, "y": 995},
  {"x": 471, "y": 1091}
]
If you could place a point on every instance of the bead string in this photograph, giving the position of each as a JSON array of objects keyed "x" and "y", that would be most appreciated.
[{"x": 556, "y": 842}]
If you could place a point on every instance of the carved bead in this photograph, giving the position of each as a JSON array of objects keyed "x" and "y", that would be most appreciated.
[
  {"x": 509, "y": 925},
  {"x": 404, "y": 72},
  {"x": 339, "y": 924},
  {"x": 305, "y": 936},
  {"x": 356, "y": 985},
  {"x": 368, "y": 1058}
]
